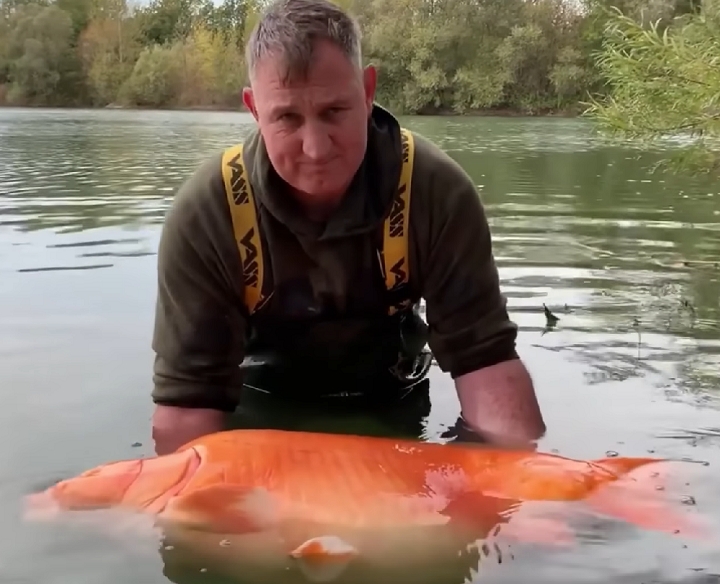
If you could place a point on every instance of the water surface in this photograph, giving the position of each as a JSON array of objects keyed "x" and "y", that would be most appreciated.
[{"x": 628, "y": 260}]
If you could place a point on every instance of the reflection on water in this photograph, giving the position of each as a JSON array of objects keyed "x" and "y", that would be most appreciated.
[
  {"x": 93, "y": 174},
  {"x": 627, "y": 261}
]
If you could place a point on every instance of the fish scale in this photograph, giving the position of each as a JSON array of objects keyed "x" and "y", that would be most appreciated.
[
  {"x": 400, "y": 493},
  {"x": 342, "y": 495}
]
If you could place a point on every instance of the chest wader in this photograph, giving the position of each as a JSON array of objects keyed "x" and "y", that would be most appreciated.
[{"x": 386, "y": 362}]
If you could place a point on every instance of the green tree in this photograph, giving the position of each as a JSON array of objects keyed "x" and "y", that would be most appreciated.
[
  {"x": 108, "y": 48},
  {"x": 40, "y": 63},
  {"x": 155, "y": 78},
  {"x": 664, "y": 83}
]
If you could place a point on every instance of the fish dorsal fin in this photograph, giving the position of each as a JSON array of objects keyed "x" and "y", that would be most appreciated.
[{"x": 324, "y": 558}]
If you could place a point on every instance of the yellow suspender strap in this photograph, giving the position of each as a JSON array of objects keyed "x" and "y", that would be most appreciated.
[
  {"x": 245, "y": 226},
  {"x": 395, "y": 262},
  {"x": 396, "y": 265}
]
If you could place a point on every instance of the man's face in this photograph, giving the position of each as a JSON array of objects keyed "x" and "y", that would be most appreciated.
[{"x": 314, "y": 129}]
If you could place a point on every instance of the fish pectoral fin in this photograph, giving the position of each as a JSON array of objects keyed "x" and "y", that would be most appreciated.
[
  {"x": 545, "y": 531},
  {"x": 223, "y": 508},
  {"x": 488, "y": 516},
  {"x": 479, "y": 511},
  {"x": 324, "y": 558}
]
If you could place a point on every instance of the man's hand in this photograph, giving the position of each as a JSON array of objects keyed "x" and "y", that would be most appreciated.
[
  {"x": 499, "y": 403},
  {"x": 172, "y": 426}
]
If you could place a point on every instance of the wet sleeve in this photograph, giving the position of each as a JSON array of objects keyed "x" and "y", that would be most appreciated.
[
  {"x": 469, "y": 326},
  {"x": 199, "y": 329}
]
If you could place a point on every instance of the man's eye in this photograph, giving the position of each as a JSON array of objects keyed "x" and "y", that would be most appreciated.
[{"x": 333, "y": 113}]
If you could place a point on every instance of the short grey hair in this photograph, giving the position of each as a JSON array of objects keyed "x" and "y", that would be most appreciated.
[{"x": 290, "y": 29}]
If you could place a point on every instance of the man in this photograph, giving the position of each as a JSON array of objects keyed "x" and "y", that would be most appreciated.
[{"x": 324, "y": 170}]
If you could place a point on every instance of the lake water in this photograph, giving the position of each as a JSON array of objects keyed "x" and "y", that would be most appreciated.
[{"x": 627, "y": 259}]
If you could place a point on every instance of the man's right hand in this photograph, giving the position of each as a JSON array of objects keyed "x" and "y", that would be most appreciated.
[{"x": 173, "y": 426}]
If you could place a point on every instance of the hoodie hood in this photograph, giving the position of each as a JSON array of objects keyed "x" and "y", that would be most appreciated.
[{"x": 365, "y": 205}]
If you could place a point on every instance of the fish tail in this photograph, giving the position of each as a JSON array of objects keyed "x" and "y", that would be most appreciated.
[
  {"x": 623, "y": 465},
  {"x": 641, "y": 499}
]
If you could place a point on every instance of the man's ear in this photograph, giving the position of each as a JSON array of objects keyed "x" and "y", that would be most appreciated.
[
  {"x": 249, "y": 101},
  {"x": 370, "y": 84}
]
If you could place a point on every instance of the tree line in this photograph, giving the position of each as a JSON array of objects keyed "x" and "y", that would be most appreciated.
[{"x": 434, "y": 56}]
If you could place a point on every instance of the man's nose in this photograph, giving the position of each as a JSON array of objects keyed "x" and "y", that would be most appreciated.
[{"x": 316, "y": 141}]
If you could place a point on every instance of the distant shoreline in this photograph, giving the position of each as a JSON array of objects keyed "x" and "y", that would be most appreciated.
[{"x": 500, "y": 112}]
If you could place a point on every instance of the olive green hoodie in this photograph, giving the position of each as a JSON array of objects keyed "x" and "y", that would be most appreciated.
[{"x": 327, "y": 316}]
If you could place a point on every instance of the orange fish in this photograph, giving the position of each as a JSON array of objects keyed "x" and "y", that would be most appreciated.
[{"x": 327, "y": 497}]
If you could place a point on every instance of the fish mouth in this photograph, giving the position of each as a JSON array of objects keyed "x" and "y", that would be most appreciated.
[
  {"x": 40, "y": 507},
  {"x": 48, "y": 505}
]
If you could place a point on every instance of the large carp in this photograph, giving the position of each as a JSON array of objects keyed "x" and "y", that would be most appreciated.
[{"x": 324, "y": 501}]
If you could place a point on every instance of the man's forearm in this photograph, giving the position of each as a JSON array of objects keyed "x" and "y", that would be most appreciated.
[
  {"x": 500, "y": 404},
  {"x": 174, "y": 426}
]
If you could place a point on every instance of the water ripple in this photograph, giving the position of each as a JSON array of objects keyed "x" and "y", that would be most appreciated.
[{"x": 628, "y": 262}]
